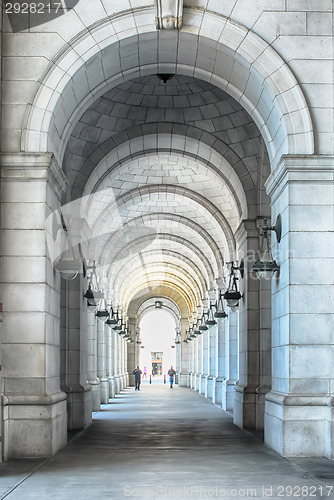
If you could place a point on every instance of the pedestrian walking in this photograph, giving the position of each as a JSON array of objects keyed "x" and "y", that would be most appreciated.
[
  {"x": 171, "y": 373},
  {"x": 137, "y": 373}
]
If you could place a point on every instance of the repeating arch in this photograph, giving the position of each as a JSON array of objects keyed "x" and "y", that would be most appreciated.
[{"x": 252, "y": 73}]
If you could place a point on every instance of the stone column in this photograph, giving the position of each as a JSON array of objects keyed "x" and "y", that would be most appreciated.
[
  {"x": 74, "y": 356},
  {"x": 178, "y": 362},
  {"x": 265, "y": 351},
  {"x": 0, "y": 377},
  {"x": 192, "y": 365},
  {"x": 101, "y": 361},
  {"x": 299, "y": 416},
  {"x": 205, "y": 367},
  {"x": 34, "y": 407},
  {"x": 245, "y": 411},
  {"x": 116, "y": 362},
  {"x": 199, "y": 363},
  {"x": 93, "y": 379},
  {"x": 231, "y": 360},
  {"x": 132, "y": 361},
  {"x": 184, "y": 373},
  {"x": 195, "y": 369},
  {"x": 112, "y": 365},
  {"x": 127, "y": 379},
  {"x": 108, "y": 358},
  {"x": 220, "y": 361},
  {"x": 120, "y": 363},
  {"x": 212, "y": 362},
  {"x": 123, "y": 341}
]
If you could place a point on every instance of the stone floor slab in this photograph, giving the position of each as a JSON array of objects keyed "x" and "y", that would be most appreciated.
[{"x": 165, "y": 443}]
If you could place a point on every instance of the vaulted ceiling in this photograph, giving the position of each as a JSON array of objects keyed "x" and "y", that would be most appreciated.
[{"x": 167, "y": 171}]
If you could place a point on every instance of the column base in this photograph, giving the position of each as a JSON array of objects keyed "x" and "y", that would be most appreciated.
[
  {"x": 184, "y": 379},
  {"x": 217, "y": 390},
  {"x": 295, "y": 426},
  {"x": 96, "y": 393},
  {"x": 104, "y": 391},
  {"x": 244, "y": 415},
  {"x": 117, "y": 384},
  {"x": 35, "y": 425},
  {"x": 111, "y": 387},
  {"x": 202, "y": 384},
  {"x": 79, "y": 406},
  {"x": 228, "y": 395},
  {"x": 198, "y": 382},
  {"x": 192, "y": 381},
  {"x": 208, "y": 386},
  {"x": 261, "y": 392}
]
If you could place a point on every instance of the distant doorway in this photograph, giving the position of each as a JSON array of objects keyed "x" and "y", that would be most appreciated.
[{"x": 157, "y": 331}]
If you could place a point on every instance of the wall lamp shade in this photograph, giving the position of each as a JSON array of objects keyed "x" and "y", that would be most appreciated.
[
  {"x": 211, "y": 320},
  {"x": 111, "y": 321},
  {"x": 266, "y": 266},
  {"x": 68, "y": 268},
  {"x": 232, "y": 294},
  {"x": 232, "y": 298},
  {"x": 93, "y": 297},
  {"x": 265, "y": 270},
  {"x": 203, "y": 327},
  {"x": 102, "y": 315},
  {"x": 220, "y": 312}
]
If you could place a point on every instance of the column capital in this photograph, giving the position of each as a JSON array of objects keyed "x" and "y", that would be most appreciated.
[
  {"x": 27, "y": 167},
  {"x": 300, "y": 168}
]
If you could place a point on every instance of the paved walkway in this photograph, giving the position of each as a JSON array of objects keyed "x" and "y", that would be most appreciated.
[{"x": 165, "y": 443}]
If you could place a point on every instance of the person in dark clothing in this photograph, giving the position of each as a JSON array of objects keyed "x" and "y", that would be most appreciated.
[
  {"x": 171, "y": 373},
  {"x": 137, "y": 373}
]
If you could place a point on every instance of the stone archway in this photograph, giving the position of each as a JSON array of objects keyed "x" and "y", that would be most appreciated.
[
  {"x": 233, "y": 59},
  {"x": 249, "y": 70}
]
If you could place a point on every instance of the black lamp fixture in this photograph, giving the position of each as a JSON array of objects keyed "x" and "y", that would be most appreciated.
[
  {"x": 165, "y": 77},
  {"x": 210, "y": 321},
  {"x": 93, "y": 293},
  {"x": 122, "y": 331},
  {"x": 158, "y": 304},
  {"x": 118, "y": 324},
  {"x": 196, "y": 329},
  {"x": 202, "y": 327},
  {"x": 219, "y": 306},
  {"x": 111, "y": 321},
  {"x": 178, "y": 338},
  {"x": 69, "y": 265},
  {"x": 102, "y": 314},
  {"x": 232, "y": 294},
  {"x": 266, "y": 266}
]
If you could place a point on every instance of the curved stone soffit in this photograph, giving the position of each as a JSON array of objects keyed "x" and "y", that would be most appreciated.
[
  {"x": 155, "y": 285},
  {"x": 163, "y": 293},
  {"x": 181, "y": 280},
  {"x": 182, "y": 243},
  {"x": 178, "y": 260},
  {"x": 168, "y": 268},
  {"x": 245, "y": 66},
  {"x": 115, "y": 270},
  {"x": 217, "y": 156},
  {"x": 169, "y": 306},
  {"x": 219, "y": 219}
]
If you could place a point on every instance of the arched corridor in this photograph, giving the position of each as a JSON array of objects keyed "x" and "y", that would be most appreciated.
[
  {"x": 168, "y": 444},
  {"x": 172, "y": 155}
]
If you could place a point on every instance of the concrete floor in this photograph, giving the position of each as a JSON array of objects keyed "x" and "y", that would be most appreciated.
[{"x": 165, "y": 443}]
